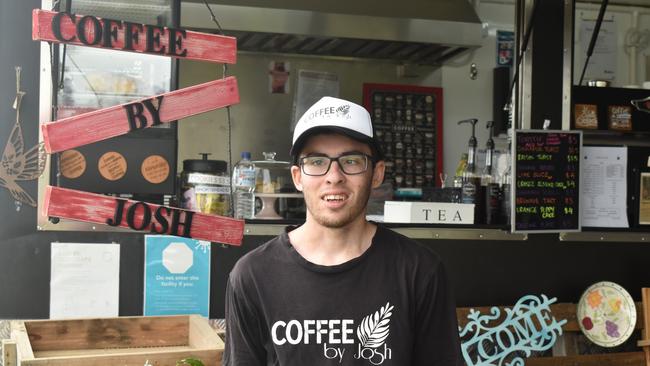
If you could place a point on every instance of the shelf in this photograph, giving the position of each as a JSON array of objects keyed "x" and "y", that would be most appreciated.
[
  {"x": 412, "y": 231},
  {"x": 601, "y": 137},
  {"x": 606, "y": 236}
]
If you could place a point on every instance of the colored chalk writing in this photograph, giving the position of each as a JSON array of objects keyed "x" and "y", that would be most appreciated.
[{"x": 546, "y": 188}]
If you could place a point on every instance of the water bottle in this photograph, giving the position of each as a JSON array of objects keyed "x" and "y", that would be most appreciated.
[{"x": 243, "y": 177}]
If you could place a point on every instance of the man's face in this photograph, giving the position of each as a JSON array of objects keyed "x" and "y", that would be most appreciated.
[{"x": 336, "y": 199}]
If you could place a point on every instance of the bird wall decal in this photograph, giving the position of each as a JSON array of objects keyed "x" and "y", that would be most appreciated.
[{"x": 16, "y": 163}]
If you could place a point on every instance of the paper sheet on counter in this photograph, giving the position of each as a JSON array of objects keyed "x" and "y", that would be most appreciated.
[
  {"x": 85, "y": 280},
  {"x": 604, "y": 187}
]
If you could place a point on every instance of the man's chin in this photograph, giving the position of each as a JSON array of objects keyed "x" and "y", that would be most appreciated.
[{"x": 335, "y": 221}]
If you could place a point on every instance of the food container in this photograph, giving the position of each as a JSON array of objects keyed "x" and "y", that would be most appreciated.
[
  {"x": 276, "y": 197},
  {"x": 598, "y": 83},
  {"x": 205, "y": 186}
]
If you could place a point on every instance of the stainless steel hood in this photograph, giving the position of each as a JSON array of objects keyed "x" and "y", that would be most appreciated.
[{"x": 425, "y": 32}]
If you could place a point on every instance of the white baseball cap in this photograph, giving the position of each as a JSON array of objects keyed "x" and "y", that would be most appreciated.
[{"x": 335, "y": 115}]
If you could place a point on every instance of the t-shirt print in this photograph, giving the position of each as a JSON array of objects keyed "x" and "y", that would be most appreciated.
[{"x": 337, "y": 336}]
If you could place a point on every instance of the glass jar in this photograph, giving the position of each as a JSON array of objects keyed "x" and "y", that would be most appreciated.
[{"x": 205, "y": 186}]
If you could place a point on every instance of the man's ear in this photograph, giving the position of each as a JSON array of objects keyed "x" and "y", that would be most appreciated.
[
  {"x": 296, "y": 176},
  {"x": 378, "y": 173}
]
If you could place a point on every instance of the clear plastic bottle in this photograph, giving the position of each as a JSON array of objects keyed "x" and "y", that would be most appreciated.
[
  {"x": 243, "y": 181},
  {"x": 456, "y": 191},
  {"x": 462, "y": 165}
]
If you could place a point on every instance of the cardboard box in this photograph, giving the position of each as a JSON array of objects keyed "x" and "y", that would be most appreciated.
[
  {"x": 429, "y": 212},
  {"x": 124, "y": 341}
]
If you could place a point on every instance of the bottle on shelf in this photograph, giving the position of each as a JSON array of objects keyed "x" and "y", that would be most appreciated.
[
  {"x": 243, "y": 181},
  {"x": 456, "y": 195},
  {"x": 489, "y": 182},
  {"x": 472, "y": 180}
]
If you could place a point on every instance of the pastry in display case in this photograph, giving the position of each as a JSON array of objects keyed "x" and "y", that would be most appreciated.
[{"x": 276, "y": 197}]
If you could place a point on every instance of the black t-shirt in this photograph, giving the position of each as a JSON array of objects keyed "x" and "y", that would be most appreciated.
[{"x": 390, "y": 306}]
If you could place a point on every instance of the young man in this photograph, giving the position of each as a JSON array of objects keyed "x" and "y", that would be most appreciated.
[{"x": 339, "y": 290}]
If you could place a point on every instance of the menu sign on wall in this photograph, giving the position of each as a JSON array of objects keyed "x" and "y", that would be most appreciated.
[{"x": 546, "y": 181}]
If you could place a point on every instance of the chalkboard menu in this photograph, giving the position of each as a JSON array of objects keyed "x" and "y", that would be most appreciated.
[{"x": 546, "y": 181}]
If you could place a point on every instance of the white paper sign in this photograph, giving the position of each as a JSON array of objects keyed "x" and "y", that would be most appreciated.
[
  {"x": 602, "y": 64},
  {"x": 85, "y": 280},
  {"x": 604, "y": 187}
]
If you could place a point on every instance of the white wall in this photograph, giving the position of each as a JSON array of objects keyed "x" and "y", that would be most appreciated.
[{"x": 466, "y": 98}]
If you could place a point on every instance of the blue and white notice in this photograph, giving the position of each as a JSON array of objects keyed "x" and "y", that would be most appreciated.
[{"x": 176, "y": 276}]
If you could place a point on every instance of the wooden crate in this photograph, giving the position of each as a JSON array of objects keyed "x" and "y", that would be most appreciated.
[{"x": 123, "y": 341}]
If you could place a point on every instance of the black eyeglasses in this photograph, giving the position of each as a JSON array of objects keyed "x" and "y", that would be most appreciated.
[{"x": 350, "y": 164}]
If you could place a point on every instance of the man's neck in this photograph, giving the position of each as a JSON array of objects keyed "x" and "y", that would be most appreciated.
[{"x": 331, "y": 246}]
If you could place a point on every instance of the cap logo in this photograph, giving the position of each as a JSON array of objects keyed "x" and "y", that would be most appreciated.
[
  {"x": 328, "y": 112},
  {"x": 343, "y": 110}
]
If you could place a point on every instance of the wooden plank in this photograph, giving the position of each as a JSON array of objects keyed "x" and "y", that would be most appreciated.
[
  {"x": 607, "y": 359},
  {"x": 645, "y": 334},
  {"x": 202, "y": 335},
  {"x": 75, "y": 353},
  {"x": 9, "y": 353},
  {"x": 23, "y": 346},
  {"x": 141, "y": 216},
  {"x": 566, "y": 344},
  {"x": 123, "y": 332},
  {"x": 118, "y": 120},
  {"x": 157, "y": 357},
  {"x": 126, "y": 36},
  {"x": 559, "y": 310},
  {"x": 645, "y": 306}
]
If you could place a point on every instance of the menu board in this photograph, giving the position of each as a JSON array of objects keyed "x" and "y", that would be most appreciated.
[{"x": 546, "y": 194}]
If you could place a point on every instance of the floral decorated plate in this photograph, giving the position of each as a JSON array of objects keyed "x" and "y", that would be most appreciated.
[{"x": 606, "y": 314}]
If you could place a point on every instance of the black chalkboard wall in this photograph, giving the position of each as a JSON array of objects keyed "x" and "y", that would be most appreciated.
[
  {"x": 482, "y": 272},
  {"x": 546, "y": 181}
]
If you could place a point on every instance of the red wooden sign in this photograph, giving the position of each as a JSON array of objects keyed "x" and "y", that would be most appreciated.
[
  {"x": 134, "y": 37},
  {"x": 141, "y": 216},
  {"x": 118, "y": 120}
]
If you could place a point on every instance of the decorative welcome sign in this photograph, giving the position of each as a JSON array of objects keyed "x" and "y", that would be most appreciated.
[
  {"x": 141, "y": 216},
  {"x": 118, "y": 120},
  {"x": 120, "y": 35},
  {"x": 527, "y": 327}
]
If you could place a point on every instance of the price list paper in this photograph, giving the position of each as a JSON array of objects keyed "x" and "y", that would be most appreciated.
[
  {"x": 546, "y": 181},
  {"x": 604, "y": 188}
]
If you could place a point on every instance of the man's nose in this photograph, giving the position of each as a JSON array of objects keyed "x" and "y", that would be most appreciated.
[{"x": 335, "y": 174}]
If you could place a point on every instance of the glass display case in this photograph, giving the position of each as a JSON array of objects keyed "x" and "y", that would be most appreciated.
[
  {"x": 276, "y": 197},
  {"x": 139, "y": 163}
]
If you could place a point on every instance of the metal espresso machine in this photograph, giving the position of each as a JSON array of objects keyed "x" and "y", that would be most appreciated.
[{"x": 276, "y": 198}]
